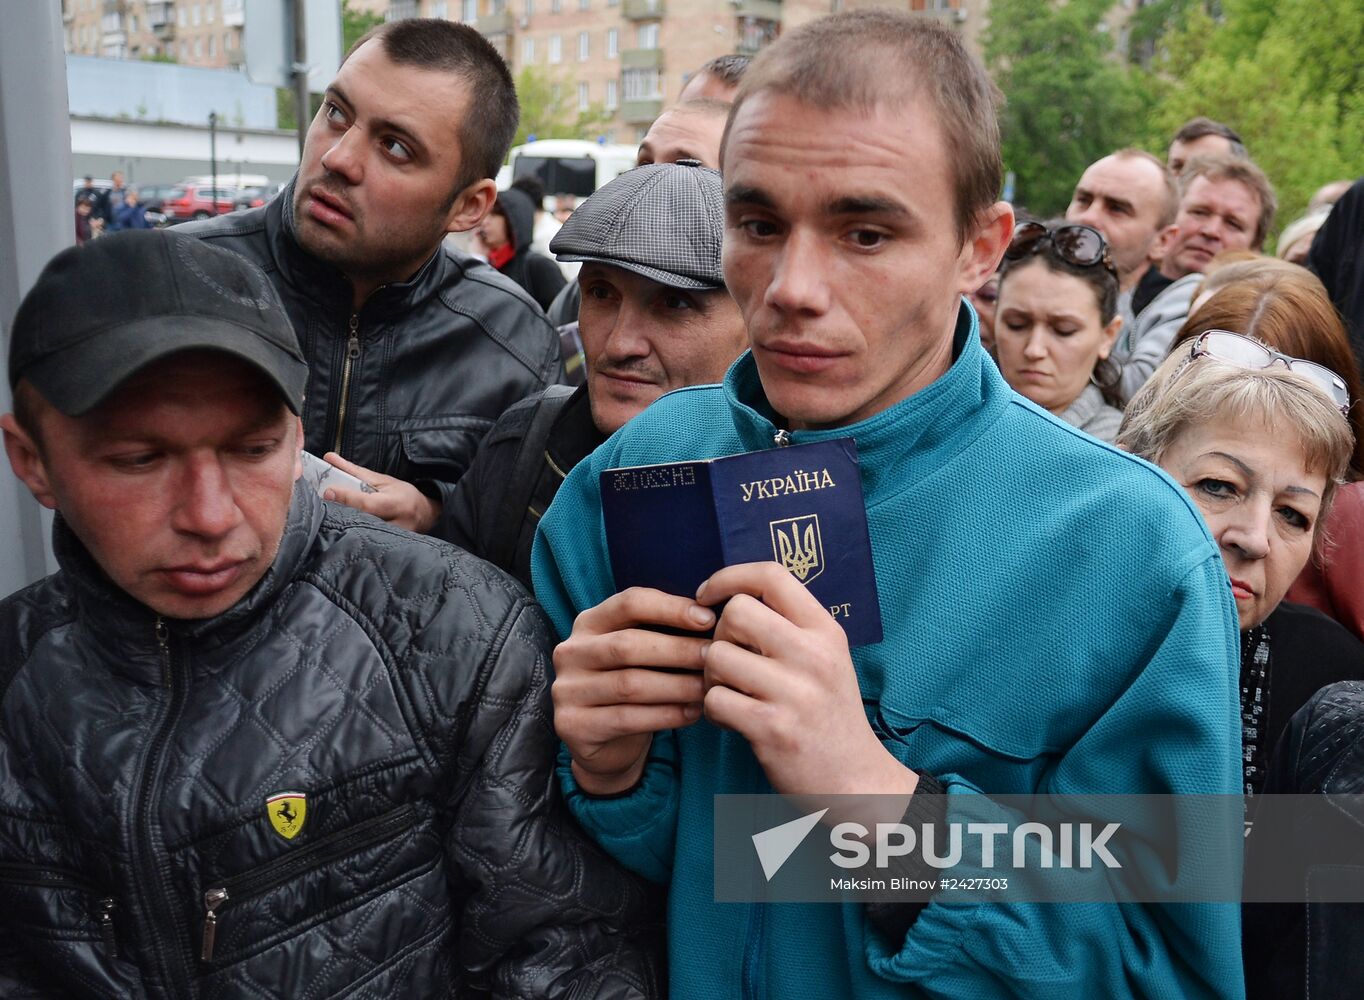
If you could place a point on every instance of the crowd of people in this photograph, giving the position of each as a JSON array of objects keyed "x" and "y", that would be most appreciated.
[{"x": 407, "y": 738}]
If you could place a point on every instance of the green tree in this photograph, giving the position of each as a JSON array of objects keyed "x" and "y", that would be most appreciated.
[
  {"x": 1285, "y": 74},
  {"x": 1068, "y": 100},
  {"x": 549, "y": 110}
]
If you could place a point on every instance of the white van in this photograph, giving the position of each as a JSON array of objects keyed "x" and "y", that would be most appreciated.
[{"x": 569, "y": 166}]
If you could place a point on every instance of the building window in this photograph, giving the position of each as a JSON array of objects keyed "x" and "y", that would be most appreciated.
[
  {"x": 528, "y": 51},
  {"x": 612, "y": 95},
  {"x": 556, "y": 53},
  {"x": 132, "y": 22},
  {"x": 441, "y": 9},
  {"x": 754, "y": 33},
  {"x": 183, "y": 15},
  {"x": 584, "y": 4},
  {"x": 469, "y": 13},
  {"x": 197, "y": 15},
  {"x": 648, "y": 35},
  {"x": 530, "y": 8},
  {"x": 584, "y": 46},
  {"x": 199, "y": 48},
  {"x": 209, "y": 12},
  {"x": 642, "y": 85},
  {"x": 582, "y": 97},
  {"x": 212, "y": 46},
  {"x": 555, "y": 6},
  {"x": 612, "y": 43}
]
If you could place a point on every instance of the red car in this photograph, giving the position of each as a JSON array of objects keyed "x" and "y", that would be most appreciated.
[{"x": 197, "y": 201}]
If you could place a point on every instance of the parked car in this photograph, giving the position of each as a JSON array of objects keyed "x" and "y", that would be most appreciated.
[
  {"x": 154, "y": 195},
  {"x": 194, "y": 201},
  {"x": 255, "y": 197}
]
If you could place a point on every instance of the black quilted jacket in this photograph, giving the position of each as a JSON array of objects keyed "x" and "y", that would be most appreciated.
[
  {"x": 410, "y": 383},
  {"x": 395, "y": 683}
]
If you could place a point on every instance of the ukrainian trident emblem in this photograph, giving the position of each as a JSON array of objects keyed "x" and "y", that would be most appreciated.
[{"x": 797, "y": 545}]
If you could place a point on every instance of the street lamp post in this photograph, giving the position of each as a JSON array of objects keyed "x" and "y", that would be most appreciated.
[{"x": 213, "y": 160}]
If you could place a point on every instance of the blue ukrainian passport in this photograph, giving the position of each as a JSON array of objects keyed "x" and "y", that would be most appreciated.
[{"x": 671, "y": 526}]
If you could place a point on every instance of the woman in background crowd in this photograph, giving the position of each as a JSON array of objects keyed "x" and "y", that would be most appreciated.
[
  {"x": 1287, "y": 308},
  {"x": 1259, "y": 441},
  {"x": 1056, "y": 321}
]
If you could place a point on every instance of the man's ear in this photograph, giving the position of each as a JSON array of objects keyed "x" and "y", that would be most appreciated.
[
  {"x": 470, "y": 206},
  {"x": 984, "y": 248},
  {"x": 1160, "y": 246},
  {"x": 298, "y": 448},
  {"x": 27, "y": 461}
]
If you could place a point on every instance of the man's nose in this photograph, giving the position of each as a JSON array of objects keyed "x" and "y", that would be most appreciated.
[
  {"x": 343, "y": 156},
  {"x": 799, "y": 281},
  {"x": 206, "y": 505}
]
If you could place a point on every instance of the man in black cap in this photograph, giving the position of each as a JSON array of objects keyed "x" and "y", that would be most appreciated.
[
  {"x": 655, "y": 317},
  {"x": 252, "y": 744},
  {"x": 414, "y": 350}
]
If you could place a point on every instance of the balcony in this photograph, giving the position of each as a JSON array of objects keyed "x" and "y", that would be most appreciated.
[
  {"x": 496, "y": 24},
  {"x": 643, "y": 10},
  {"x": 68, "y": 15},
  {"x": 234, "y": 13},
  {"x": 763, "y": 10},
  {"x": 114, "y": 6},
  {"x": 641, "y": 59},
  {"x": 950, "y": 17},
  {"x": 641, "y": 112},
  {"x": 159, "y": 14}
]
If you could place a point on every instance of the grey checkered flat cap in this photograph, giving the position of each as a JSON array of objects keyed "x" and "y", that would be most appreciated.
[{"x": 664, "y": 221}]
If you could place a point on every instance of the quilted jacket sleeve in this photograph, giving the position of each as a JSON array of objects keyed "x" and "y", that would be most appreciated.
[{"x": 545, "y": 912}]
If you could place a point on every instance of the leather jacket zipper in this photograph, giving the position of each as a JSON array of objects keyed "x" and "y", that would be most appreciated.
[
  {"x": 156, "y": 894},
  {"x": 352, "y": 353},
  {"x": 49, "y": 877},
  {"x": 239, "y": 888}
]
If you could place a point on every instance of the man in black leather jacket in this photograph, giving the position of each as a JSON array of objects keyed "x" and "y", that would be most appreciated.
[
  {"x": 414, "y": 350},
  {"x": 251, "y": 744}
]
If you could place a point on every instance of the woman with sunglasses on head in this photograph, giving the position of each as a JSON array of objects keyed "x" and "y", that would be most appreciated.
[
  {"x": 1288, "y": 309},
  {"x": 1259, "y": 441},
  {"x": 1055, "y": 323}
]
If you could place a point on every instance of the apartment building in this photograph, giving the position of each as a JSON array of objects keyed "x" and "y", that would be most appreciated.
[
  {"x": 632, "y": 57},
  {"x": 190, "y": 32}
]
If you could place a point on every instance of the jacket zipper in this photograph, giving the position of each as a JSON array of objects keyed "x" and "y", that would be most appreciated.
[
  {"x": 157, "y": 895},
  {"x": 782, "y": 439},
  {"x": 258, "y": 881},
  {"x": 352, "y": 353},
  {"x": 60, "y": 878}
]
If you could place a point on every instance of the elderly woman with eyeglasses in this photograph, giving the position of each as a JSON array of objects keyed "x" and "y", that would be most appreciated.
[
  {"x": 1056, "y": 321},
  {"x": 1259, "y": 441}
]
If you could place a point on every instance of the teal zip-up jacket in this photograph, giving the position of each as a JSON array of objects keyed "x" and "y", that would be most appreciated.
[{"x": 1057, "y": 621}]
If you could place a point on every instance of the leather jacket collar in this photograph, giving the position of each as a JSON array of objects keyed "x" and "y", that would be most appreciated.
[
  {"x": 326, "y": 285},
  {"x": 124, "y": 630}
]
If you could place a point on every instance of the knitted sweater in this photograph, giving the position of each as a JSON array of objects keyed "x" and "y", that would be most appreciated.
[{"x": 1057, "y": 620}]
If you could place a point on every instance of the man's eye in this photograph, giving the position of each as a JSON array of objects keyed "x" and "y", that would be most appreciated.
[
  {"x": 396, "y": 149},
  {"x": 597, "y": 291},
  {"x": 867, "y": 239},
  {"x": 258, "y": 449},
  {"x": 672, "y": 300},
  {"x": 136, "y": 461},
  {"x": 758, "y": 228},
  {"x": 334, "y": 113}
]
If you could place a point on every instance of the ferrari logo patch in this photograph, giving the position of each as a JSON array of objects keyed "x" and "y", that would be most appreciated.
[{"x": 287, "y": 811}]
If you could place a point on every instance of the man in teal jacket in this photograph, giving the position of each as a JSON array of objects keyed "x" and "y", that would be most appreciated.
[{"x": 1056, "y": 617}]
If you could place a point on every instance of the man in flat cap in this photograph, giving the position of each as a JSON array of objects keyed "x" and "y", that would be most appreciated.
[
  {"x": 247, "y": 738},
  {"x": 655, "y": 317}
]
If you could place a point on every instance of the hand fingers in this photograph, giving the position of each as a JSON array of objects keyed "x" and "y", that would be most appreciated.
[
  {"x": 585, "y": 727},
  {"x": 366, "y": 502},
  {"x": 748, "y": 622},
  {"x": 730, "y": 709},
  {"x": 746, "y": 672},
  {"x": 630, "y": 686},
  {"x": 630, "y": 647},
  {"x": 358, "y": 471},
  {"x": 643, "y": 606},
  {"x": 771, "y": 584}
]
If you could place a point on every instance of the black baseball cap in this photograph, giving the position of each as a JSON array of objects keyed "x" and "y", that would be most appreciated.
[{"x": 102, "y": 312}]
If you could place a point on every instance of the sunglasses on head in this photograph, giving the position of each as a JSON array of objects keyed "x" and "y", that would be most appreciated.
[
  {"x": 1246, "y": 352},
  {"x": 1083, "y": 246}
]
